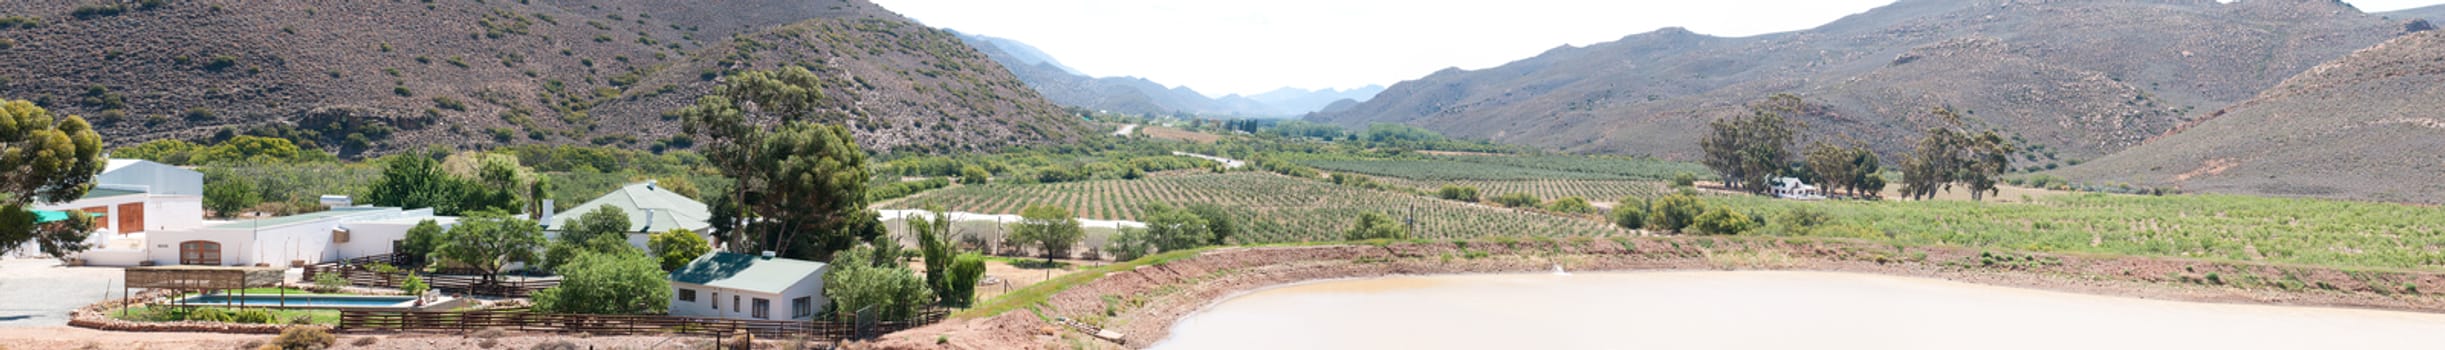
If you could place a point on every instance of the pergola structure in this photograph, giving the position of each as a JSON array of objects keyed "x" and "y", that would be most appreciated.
[{"x": 204, "y": 279}]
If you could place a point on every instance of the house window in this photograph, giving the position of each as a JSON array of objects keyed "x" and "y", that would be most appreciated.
[
  {"x": 763, "y": 308},
  {"x": 206, "y": 253},
  {"x": 734, "y": 303},
  {"x": 687, "y": 295},
  {"x": 717, "y": 302},
  {"x": 802, "y": 307}
]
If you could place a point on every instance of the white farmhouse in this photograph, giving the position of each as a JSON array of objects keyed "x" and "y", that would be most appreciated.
[
  {"x": 333, "y": 235},
  {"x": 651, "y": 209},
  {"x": 132, "y": 197},
  {"x": 741, "y": 286},
  {"x": 1793, "y": 188}
]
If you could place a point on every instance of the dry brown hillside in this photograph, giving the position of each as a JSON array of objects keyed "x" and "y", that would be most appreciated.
[
  {"x": 2362, "y": 127},
  {"x": 2075, "y": 79},
  {"x": 359, "y": 76}
]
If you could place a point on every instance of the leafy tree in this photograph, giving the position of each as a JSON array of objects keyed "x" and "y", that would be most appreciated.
[
  {"x": 974, "y": 175},
  {"x": 1458, "y": 193},
  {"x": 934, "y": 244},
  {"x": 537, "y": 191},
  {"x": 1630, "y": 214},
  {"x": 804, "y": 178},
  {"x": 1684, "y": 180},
  {"x": 165, "y": 151},
  {"x": 1374, "y": 225},
  {"x": 255, "y": 150},
  {"x": 1571, "y": 205},
  {"x": 602, "y": 230},
  {"x": 1720, "y": 220},
  {"x": 1849, "y": 169},
  {"x": 1050, "y": 228},
  {"x": 48, "y": 159},
  {"x": 1750, "y": 150},
  {"x": 1518, "y": 200},
  {"x": 227, "y": 194},
  {"x": 413, "y": 286},
  {"x": 1218, "y": 221},
  {"x": 615, "y": 283},
  {"x": 422, "y": 241},
  {"x": 1128, "y": 244},
  {"x": 1950, "y": 154},
  {"x": 410, "y": 181},
  {"x": 965, "y": 272},
  {"x": 858, "y": 281},
  {"x": 677, "y": 247},
  {"x": 491, "y": 241},
  {"x": 1674, "y": 212},
  {"x": 1170, "y": 229}
]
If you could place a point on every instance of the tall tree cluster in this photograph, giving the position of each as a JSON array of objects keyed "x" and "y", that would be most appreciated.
[
  {"x": 1855, "y": 170},
  {"x": 801, "y": 184},
  {"x": 1752, "y": 149},
  {"x": 49, "y": 159},
  {"x": 1952, "y": 154}
]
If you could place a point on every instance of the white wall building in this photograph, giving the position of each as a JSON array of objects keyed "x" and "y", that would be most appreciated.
[
  {"x": 650, "y": 208},
  {"x": 740, "y": 286},
  {"x": 129, "y": 199},
  {"x": 340, "y": 233}
]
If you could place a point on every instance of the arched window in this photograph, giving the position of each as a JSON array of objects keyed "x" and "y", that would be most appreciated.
[{"x": 206, "y": 253}]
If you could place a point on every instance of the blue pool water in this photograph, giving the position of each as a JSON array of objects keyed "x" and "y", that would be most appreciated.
[{"x": 316, "y": 301}]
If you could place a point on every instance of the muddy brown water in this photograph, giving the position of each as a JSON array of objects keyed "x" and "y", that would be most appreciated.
[{"x": 1760, "y": 310}]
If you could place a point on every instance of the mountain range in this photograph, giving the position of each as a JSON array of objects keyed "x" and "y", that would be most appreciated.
[
  {"x": 365, "y": 77},
  {"x": 1135, "y": 95},
  {"x": 2073, "y": 80},
  {"x": 2362, "y": 127}
]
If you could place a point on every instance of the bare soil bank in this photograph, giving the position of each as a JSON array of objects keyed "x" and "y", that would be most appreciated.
[{"x": 1144, "y": 303}]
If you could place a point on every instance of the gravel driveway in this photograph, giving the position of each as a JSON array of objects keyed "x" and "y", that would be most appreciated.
[{"x": 40, "y": 292}]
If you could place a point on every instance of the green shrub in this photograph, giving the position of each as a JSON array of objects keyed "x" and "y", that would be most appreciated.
[
  {"x": 1631, "y": 213},
  {"x": 209, "y": 315},
  {"x": 1518, "y": 200},
  {"x": 302, "y": 338},
  {"x": 328, "y": 282},
  {"x": 1674, "y": 213},
  {"x": 1373, "y": 225},
  {"x": 1684, "y": 180},
  {"x": 1571, "y": 205},
  {"x": 253, "y": 316},
  {"x": 1720, "y": 220},
  {"x": 1458, "y": 193}
]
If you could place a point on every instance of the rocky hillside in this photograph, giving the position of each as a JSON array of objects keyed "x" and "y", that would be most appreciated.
[
  {"x": 2363, "y": 127},
  {"x": 2433, "y": 14},
  {"x": 1141, "y": 96},
  {"x": 374, "y": 76},
  {"x": 2073, "y": 79}
]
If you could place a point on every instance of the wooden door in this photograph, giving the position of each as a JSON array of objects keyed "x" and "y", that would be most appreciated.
[
  {"x": 101, "y": 216},
  {"x": 205, "y": 253},
  {"x": 131, "y": 218}
]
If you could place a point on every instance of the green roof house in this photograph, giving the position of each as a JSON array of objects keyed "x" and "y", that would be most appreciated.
[
  {"x": 741, "y": 286},
  {"x": 650, "y": 208}
]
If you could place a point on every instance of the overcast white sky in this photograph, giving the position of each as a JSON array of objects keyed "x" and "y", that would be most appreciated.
[{"x": 1251, "y": 46}]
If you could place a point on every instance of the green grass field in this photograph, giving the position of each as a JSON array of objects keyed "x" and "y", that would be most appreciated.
[
  {"x": 1459, "y": 168},
  {"x": 2221, "y": 227},
  {"x": 1273, "y": 208}
]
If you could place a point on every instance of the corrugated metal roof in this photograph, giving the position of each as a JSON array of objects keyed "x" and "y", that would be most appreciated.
[
  {"x": 747, "y": 272},
  {"x": 650, "y": 208}
]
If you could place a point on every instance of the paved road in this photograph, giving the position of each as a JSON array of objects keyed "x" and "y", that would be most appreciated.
[{"x": 40, "y": 292}]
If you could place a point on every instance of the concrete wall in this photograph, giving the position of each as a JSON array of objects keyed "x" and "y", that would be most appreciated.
[
  {"x": 377, "y": 237},
  {"x": 279, "y": 245}
]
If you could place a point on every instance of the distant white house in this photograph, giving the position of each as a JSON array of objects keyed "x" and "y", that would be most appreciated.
[
  {"x": 651, "y": 209},
  {"x": 1793, "y": 188},
  {"x": 741, "y": 286}
]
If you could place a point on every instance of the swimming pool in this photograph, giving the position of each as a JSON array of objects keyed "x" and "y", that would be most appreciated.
[{"x": 305, "y": 301}]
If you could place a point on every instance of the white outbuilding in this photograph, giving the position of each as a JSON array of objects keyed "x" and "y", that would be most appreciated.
[{"x": 749, "y": 287}]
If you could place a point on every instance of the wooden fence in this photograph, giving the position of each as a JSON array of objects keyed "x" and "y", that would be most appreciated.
[
  {"x": 521, "y": 320},
  {"x": 356, "y": 272}
]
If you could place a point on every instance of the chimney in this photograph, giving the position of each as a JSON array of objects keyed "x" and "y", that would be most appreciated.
[
  {"x": 768, "y": 254},
  {"x": 547, "y": 212}
]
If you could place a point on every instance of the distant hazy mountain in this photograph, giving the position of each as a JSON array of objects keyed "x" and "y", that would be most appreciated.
[
  {"x": 1297, "y": 101},
  {"x": 2361, "y": 127},
  {"x": 2076, "y": 79},
  {"x": 1068, "y": 87},
  {"x": 2433, "y": 14}
]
